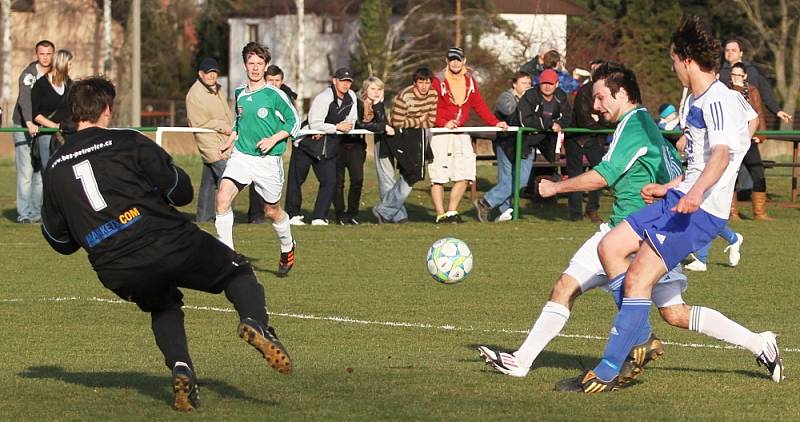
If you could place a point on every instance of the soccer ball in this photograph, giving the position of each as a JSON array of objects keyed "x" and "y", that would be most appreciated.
[{"x": 449, "y": 260}]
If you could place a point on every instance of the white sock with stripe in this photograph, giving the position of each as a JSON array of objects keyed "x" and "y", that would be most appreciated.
[
  {"x": 712, "y": 323},
  {"x": 551, "y": 321},
  {"x": 224, "y": 225},
  {"x": 284, "y": 231}
]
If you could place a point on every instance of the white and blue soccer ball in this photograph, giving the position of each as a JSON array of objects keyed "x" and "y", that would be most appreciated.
[{"x": 449, "y": 260}]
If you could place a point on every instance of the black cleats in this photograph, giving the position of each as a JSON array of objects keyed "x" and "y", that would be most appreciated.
[
  {"x": 587, "y": 383},
  {"x": 286, "y": 262},
  {"x": 184, "y": 385},
  {"x": 265, "y": 341},
  {"x": 640, "y": 355}
]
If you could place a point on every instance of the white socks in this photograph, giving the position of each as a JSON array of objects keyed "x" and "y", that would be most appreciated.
[
  {"x": 284, "y": 231},
  {"x": 224, "y": 225},
  {"x": 712, "y": 323},
  {"x": 551, "y": 321}
]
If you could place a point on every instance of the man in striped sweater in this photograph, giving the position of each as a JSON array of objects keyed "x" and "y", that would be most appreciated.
[{"x": 414, "y": 107}]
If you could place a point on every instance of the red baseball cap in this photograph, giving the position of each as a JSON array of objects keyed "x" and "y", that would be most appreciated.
[{"x": 548, "y": 76}]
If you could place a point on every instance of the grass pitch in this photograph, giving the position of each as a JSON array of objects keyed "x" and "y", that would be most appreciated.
[{"x": 373, "y": 337}]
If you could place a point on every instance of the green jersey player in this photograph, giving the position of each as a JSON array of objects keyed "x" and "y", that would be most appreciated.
[
  {"x": 265, "y": 120},
  {"x": 638, "y": 154}
]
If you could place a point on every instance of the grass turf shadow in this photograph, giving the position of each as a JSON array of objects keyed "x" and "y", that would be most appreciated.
[{"x": 156, "y": 387}]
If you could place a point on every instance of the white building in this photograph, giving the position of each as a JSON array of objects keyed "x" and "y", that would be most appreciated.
[
  {"x": 541, "y": 26},
  {"x": 330, "y": 34}
]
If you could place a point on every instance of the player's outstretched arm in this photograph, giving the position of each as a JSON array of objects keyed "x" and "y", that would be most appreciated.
[{"x": 589, "y": 181}]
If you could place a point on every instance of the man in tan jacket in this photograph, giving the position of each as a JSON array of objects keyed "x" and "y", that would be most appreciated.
[{"x": 207, "y": 107}]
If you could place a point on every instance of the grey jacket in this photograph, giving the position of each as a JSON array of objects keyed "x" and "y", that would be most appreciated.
[{"x": 23, "y": 109}]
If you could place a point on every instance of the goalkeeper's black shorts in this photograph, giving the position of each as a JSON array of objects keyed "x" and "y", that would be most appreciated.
[{"x": 151, "y": 276}]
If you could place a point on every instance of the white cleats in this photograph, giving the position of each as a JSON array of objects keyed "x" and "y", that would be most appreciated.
[
  {"x": 507, "y": 215},
  {"x": 696, "y": 265},
  {"x": 297, "y": 220},
  {"x": 733, "y": 251},
  {"x": 503, "y": 362},
  {"x": 770, "y": 357}
]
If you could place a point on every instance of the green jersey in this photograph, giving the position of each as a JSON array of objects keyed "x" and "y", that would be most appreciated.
[
  {"x": 638, "y": 155},
  {"x": 261, "y": 114}
]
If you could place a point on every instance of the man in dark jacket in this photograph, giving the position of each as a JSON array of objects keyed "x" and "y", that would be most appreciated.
[
  {"x": 333, "y": 110},
  {"x": 546, "y": 108},
  {"x": 591, "y": 146},
  {"x": 734, "y": 54}
]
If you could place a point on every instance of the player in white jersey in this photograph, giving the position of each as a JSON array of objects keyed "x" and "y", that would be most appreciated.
[{"x": 693, "y": 209}]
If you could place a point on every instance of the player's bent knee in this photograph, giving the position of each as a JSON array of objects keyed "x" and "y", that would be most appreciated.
[
  {"x": 273, "y": 211},
  {"x": 565, "y": 291},
  {"x": 676, "y": 315}
]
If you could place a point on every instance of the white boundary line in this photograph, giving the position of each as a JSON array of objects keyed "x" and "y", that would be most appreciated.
[{"x": 346, "y": 320}]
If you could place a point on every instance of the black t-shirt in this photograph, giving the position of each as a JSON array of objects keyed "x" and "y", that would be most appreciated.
[
  {"x": 111, "y": 192},
  {"x": 49, "y": 103}
]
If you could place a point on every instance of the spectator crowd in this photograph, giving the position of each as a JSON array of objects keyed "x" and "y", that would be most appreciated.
[{"x": 542, "y": 94}]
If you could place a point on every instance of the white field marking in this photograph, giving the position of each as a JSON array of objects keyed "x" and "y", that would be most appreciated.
[{"x": 346, "y": 320}]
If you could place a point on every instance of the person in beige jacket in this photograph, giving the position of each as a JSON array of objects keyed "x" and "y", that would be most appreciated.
[{"x": 207, "y": 107}]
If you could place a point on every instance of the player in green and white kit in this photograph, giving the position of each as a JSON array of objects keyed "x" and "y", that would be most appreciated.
[
  {"x": 638, "y": 154},
  {"x": 265, "y": 120}
]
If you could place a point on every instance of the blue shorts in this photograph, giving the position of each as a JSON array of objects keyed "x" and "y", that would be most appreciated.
[{"x": 674, "y": 236}]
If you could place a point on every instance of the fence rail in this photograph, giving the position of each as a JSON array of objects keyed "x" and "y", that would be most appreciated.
[{"x": 792, "y": 136}]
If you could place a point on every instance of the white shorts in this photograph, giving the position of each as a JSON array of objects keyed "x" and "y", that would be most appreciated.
[
  {"x": 585, "y": 267},
  {"x": 453, "y": 158},
  {"x": 265, "y": 172}
]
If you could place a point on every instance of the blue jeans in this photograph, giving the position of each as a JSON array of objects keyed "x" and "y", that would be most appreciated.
[
  {"x": 44, "y": 148},
  {"x": 394, "y": 192},
  {"x": 726, "y": 233},
  {"x": 29, "y": 183},
  {"x": 385, "y": 171},
  {"x": 501, "y": 194},
  {"x": 206, "y": 195}
]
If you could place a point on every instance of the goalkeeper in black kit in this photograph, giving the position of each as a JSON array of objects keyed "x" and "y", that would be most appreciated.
[{"x": 113, "y": 192}]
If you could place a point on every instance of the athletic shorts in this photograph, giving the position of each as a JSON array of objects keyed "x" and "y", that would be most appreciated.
[
  {"x": 453, "y": 158},
  {"x": 585, "y": 267},
  {"x": 151, "y": 276},
  {"x": 265, "y": 172},
  {"x": 674, "y": 236}
]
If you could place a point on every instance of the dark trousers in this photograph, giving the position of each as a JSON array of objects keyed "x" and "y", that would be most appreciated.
[
  {"x": 546, "y": 144},
  {"x": 592, "y": 149},
  {"x": 752, "y": 161},
  {"x": 351, "y": 158},
  {"x": 325, "y": 170}
]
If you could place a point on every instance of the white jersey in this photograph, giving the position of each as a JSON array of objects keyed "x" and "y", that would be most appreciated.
[{"x": 719, "y": 116}]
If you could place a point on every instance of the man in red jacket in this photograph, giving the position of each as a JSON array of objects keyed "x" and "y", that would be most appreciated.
[{"x": 453, "y": 157}]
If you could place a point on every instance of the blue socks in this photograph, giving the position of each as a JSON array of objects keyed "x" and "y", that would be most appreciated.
[
  {"x": 615, "y": 286},
  {"x": 729, "y": 235},
  {"x": 726, "y": 233},
  {"x": 631, "y": 327}
]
